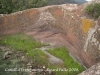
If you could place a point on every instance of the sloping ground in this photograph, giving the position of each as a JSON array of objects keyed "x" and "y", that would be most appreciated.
[
  {"x": 9, "y": 59},
  {"x": 57, "y": 25},
  {"x": 16, "y": 62},
  {"x": 19, "y": 49},
  {"x": 52, "y": 59}
]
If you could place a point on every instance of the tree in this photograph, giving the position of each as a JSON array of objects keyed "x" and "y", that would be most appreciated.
[
  {"x": 6, "y": 6},
  {"x": 9, "y": 6}
]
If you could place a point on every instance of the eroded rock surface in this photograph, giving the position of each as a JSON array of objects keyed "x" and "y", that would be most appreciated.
[
  {"x": 94, "y": 70},
  {"x": 58, "y": 25}
]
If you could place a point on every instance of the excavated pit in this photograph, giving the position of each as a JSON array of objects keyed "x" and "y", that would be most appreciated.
[{"x": 58, "y": 25}]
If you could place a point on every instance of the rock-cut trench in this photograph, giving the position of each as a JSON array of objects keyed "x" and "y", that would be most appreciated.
[{"x": 58, "y": 25}]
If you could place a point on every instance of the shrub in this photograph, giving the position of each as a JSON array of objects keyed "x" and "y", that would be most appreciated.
[{"x": 93, "y": 9}]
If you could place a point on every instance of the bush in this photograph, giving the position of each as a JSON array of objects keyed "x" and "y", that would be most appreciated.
[{"x": 93, "y": 9}]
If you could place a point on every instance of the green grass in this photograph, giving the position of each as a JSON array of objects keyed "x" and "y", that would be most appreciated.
[
  {"x": 25, "y": 44},
  {"x": 20, "y": 42},
  {"x": 69, "y": 63},
  {"x": 30, "y": 47}
]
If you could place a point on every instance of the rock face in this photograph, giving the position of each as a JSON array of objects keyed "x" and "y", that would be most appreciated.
[
  {"x": 64, "y": 25},
  {"x": 94, "y": 70}
]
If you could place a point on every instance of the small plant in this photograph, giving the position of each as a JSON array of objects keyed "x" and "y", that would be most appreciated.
[{"x": 93, "y": 9}]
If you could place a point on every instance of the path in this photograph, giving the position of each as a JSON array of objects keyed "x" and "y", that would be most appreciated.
[{"x": 52, "y": 59}]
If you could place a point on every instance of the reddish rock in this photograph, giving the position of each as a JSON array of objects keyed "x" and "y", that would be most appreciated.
[{"x": 56, "y": 25}]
